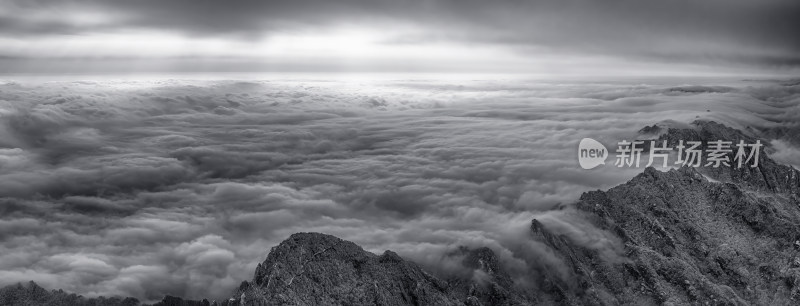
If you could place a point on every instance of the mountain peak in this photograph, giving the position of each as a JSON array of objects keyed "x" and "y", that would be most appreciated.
[
  {"x": 768, "y": 175},
  {"x": 320, "y": 269}
]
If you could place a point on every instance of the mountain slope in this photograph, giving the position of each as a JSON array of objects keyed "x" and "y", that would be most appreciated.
[
  {"x": 691, "y": 235},
  {"x": 319, "y": 269}
]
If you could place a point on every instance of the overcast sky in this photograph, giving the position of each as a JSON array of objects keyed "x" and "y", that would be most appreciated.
[{"x": 359, "y": 35}]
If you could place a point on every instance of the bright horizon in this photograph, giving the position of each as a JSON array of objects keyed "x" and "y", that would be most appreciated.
[{"x": 539, "y": 37}]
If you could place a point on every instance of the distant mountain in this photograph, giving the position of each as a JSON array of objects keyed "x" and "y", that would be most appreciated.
[
  {"x": 33, "y": 294},
  {"x": 691, "y": 236}
]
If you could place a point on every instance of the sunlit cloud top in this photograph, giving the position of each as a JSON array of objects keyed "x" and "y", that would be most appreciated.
[{"x": 358, "y": 35}]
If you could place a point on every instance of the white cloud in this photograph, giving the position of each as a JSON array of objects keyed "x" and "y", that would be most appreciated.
[{"x": 181, "y": 187}]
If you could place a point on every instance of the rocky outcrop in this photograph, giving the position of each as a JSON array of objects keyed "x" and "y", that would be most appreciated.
[
  {"x": 689, "y": 240},
  {"x": 705, "y": 235},
  {"x": 650, "y": 130},
  {"x": 487, "y": 283},
  {"x": 591, "y": 280},
  {"x": 767, "y": 176},
  {"x": 319, "y": 269}
]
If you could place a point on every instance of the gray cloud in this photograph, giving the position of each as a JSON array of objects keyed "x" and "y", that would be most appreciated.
[
  {"x": 720, "y": 32},
  {"x": 165, "y": 186}
]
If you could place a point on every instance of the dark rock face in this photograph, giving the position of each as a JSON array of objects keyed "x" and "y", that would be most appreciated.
[
  {"x": 318, "y": 269},
  {"x": 653, "y": 129},
  {"x": 693, "y": 241},
  {"x": 732, "y": 240},
  {"x": 768, "y": 176},
  {"x": 488, "y": 283},
  {"x": 590, "y": 279}
]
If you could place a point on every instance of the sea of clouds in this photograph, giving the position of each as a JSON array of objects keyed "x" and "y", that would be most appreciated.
[{"x": 153, "y": 186}]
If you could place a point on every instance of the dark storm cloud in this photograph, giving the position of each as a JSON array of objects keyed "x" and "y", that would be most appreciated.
[{"x": 716, "y": 31}]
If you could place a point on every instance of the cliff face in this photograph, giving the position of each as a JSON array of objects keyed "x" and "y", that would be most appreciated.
[
  {"x": 318, "y": 269},
  {"x": 768, "y": 176},
  {"x": 487, "y": 283},
  {"x": 692, "y": 235},
  {"x": 689, "y": 240}
]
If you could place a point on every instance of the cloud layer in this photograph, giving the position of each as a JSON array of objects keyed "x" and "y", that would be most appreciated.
[{"x": 164, "y": 186}]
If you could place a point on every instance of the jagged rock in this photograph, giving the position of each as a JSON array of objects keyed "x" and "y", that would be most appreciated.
[
  {"x": 488, "y": 283},
  {"x": 769, "y": 175},
  {"x": 319, "y": 269},
  {"x": 653, "y": 129},
  {"x": 688, "y": 240},
  {"x": 592, "y": 280},
  {"x": 691, "y": 235}
]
